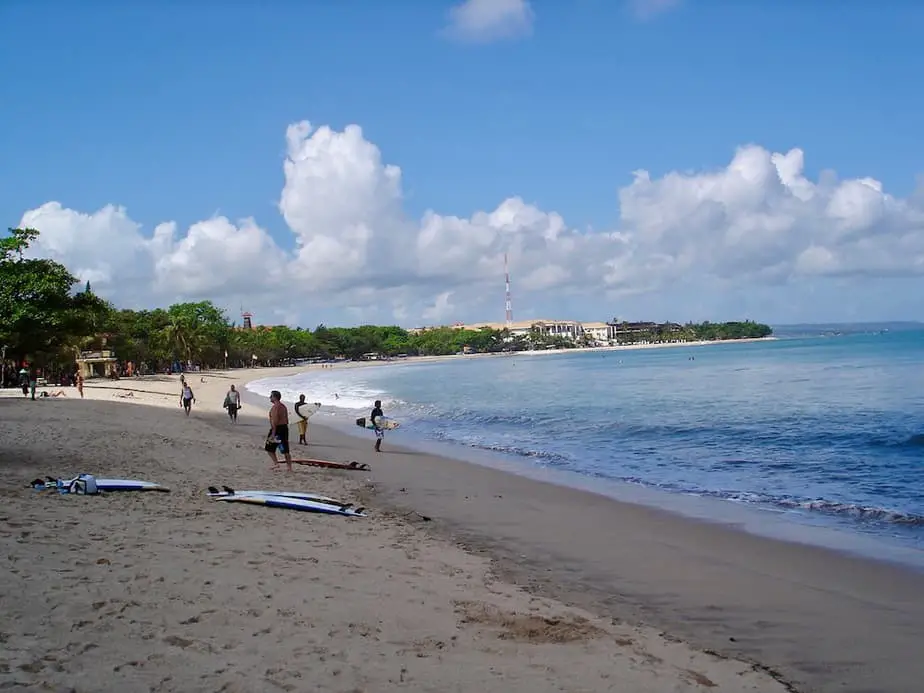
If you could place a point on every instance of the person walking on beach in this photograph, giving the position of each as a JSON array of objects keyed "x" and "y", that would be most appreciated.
[
  {"x": 187, "y": 398},
  {"x": 302, "y": 421},
  {"x": 374, "y": 418},
  {"x": 278, "y": 438},
  {"x": 232, "y": 403}
]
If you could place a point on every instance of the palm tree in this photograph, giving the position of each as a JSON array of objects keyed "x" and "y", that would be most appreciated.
[{"x": 183, "y": 336}]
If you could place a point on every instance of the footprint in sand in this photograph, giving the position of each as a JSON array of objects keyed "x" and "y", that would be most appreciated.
[{"x": 177, "y": 641}]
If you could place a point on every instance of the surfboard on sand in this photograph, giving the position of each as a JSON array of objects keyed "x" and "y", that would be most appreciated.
[
  {"x": 62, "y": 485},
  {"x": 355, "y": 466},
  {"x": 384, "y": 423},
  {"x": 213, "y": 492},
  {"x": 293, "y": 504}
]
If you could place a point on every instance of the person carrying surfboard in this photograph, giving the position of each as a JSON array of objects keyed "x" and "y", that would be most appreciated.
[
  {"x": 302, "y": 421},
  {"x": 278, "y": 438},
  {"x": 374, "y": 418}
]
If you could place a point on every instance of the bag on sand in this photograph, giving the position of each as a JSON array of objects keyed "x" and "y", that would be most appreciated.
[{"x": 84, "y": 484}]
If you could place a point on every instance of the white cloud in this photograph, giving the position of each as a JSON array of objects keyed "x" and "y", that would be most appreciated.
[
  {"x": 490, "y": 20},
  {"x": 682, "y": 242},
  {"x": 441, "y": 311},
  {"x": 338, "y": 195}
]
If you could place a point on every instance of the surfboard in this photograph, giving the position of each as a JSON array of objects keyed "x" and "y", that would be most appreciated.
[
  {"x": 308, "y": 409},
  {"x": 294, "y": 504},
  {"x": 384, "y": 423},
  {"x": 354, "y": 466},
  {"x": 129, "y": 485},
  {"x": 62, "y": 485},
  {"x": 213, "y": 492}
]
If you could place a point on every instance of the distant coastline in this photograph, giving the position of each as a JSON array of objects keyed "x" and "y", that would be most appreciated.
[{"x": 501, "y": 354}]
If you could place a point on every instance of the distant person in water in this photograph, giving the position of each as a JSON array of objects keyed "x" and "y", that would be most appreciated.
[
  {"x": 278, "y": 438},
  {"x": 187, "y": 398},
  {"x": 374, "y": 417}
]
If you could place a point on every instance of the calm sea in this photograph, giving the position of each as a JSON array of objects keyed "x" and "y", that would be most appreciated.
[{"x": 826, "y": 429}]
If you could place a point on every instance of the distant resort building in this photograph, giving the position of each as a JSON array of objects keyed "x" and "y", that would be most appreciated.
[
  {"x": 590, "y": 333},
  {"x": 597, "y": 333}
]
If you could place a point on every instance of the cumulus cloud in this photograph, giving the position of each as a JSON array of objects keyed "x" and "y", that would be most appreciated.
[
  {"x": 490, "y": 20},
  {"x": 758, "y": 222}
]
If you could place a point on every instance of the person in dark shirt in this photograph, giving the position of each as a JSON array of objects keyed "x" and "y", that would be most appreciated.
[
  {"x": 302, "y": 421},
  {"x": 374, "y": 418}
]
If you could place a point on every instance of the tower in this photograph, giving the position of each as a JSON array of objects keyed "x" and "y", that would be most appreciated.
[
  {"x": 248, "y": 319},
  {"x": 508, "y": 317}
]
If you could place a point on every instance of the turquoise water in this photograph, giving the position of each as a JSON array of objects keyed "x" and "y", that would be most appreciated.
[{"x": 830, "y": 430}]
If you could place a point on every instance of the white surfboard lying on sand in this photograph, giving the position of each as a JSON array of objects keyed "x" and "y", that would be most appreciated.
[
  {"x": 215, "y": 493},
  {"x": 128, "y": 485},
  {"x": 293, "y": 504},
  {"x": 101, "y": 485}
]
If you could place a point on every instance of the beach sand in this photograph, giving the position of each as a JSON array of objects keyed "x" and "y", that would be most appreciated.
[{"x": 462, "y": 578}]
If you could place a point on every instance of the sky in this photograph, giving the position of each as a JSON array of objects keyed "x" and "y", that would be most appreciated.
[{"x": 368, "y": 162}]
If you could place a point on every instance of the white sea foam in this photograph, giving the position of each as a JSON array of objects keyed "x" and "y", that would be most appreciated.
[{"x": 336, "y": 389}]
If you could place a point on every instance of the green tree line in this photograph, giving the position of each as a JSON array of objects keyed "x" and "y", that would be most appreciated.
[
  {"x": 45, "y": 322},
  {"x": 633, "y": 333}
]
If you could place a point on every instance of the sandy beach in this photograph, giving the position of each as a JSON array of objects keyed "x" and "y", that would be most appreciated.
[{"x": 461, "y": 578}]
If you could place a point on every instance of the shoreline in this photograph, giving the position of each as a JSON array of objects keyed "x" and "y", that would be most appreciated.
[
  {"x": 740, "y": 596},
  {"x": 508, "y": 354},
  {"x": 757, "y": 520},
  {"x": 176, "y": 592},
  {"x": 765, "y": 520},
  {"x": 768, "y": 601}
]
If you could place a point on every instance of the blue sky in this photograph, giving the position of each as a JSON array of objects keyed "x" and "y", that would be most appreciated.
[{"x": 178, "y": 112}]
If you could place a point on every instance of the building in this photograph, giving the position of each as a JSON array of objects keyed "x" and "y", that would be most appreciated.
[
  {"x": 101, "y": 363},
  {"x": 519, "y": 328},
  {"x": 598, "y": 333},
  {"x": 567, "y": 329},
  {"x": 593, "y": 333}
]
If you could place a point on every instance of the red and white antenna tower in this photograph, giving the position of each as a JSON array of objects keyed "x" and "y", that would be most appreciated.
[{"x": 508, "y": 305}]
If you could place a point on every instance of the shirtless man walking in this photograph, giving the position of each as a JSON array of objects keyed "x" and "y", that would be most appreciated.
[{"x": 278, "y": 438}]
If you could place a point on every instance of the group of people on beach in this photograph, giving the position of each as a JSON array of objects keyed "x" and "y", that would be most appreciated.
[
  {"x": 277, "y": 440},
  {"x": 29, "y": 383}
]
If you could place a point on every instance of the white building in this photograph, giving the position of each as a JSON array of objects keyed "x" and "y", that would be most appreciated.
[{"x": 597, "y": 332}]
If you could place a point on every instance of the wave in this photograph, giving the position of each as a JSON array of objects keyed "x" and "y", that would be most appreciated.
[
  {"x": 514, "y": 450},
  {"x": 849, "y": 453},
  {"x": 330, "y": 392},
  {"x": 857, "y": 512}
]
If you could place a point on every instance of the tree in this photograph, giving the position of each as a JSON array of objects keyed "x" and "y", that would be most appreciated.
[{"x": 39, "y": 314}]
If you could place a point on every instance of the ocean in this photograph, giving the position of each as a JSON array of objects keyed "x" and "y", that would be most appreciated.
[{"x": 824, "y": 430}]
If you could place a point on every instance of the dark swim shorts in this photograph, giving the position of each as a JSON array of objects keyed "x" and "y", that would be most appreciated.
[{"x": 281, "y": 444}]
